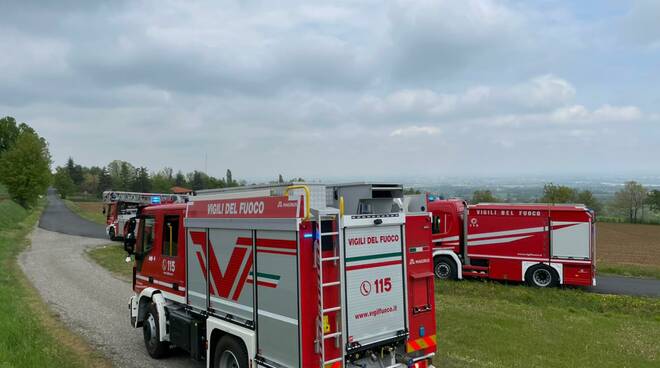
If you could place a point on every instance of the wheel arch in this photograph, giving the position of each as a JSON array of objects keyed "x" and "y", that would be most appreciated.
[
  {"x": 557, "y": 267},
  {"x": 452, "y": 255},
  {"x": 217, "y": 328},
  {"x": 147, "y": 296}
]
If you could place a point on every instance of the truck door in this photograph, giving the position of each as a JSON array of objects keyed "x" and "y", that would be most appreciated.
[
  {"x": 375, "y": 284},
  {"x": 145, "y": 241}
]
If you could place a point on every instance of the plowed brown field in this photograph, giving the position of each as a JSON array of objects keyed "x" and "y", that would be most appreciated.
[{"x": 628, "y": 243}]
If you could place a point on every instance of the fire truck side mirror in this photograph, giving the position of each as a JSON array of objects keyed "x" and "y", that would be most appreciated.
[{"x": 129, "y": 243}]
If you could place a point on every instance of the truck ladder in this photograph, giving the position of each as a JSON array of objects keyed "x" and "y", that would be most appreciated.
[{"x": 337, "y": 284}]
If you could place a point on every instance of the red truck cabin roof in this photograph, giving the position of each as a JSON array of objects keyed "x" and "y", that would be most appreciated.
[{"x": 164, "y": 207}]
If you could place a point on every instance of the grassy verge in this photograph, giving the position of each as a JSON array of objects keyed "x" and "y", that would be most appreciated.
[
  {"x": 3, "y": 192},
  {"x": 112, "y": 257},
  {"x": 629, "y": 270},
  {"x": 30, "y": 334},
  {"x": 486, "y": 324},
  {"x": 91, "y": 211}
]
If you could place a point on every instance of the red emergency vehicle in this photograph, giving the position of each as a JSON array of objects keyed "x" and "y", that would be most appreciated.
[
  {"x": 120, "y": 207},
  {"x": 541, "y": 244},
  {"x": 286, "y": 277}
]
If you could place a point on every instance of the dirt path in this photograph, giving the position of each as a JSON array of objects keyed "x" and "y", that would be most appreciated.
[{"x": 88, "y": 298}]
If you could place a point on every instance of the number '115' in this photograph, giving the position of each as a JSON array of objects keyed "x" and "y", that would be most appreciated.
[{"x": 383, "y": 285}]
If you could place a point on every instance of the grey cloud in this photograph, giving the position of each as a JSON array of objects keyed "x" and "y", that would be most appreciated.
[
  {"x": 641, "y": 24},
  {"x": 253, "y": 85}
]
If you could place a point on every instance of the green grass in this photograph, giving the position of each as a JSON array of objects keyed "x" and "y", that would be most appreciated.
[
  {"x": 486, "y": 324},
  {"x": 112, "y": 257},
  {"x": 30, "y": 335},
  {"x": 629, "y": 270},
  {"x": 3, "y": 192},
  {"x": 83, "y": 210}
]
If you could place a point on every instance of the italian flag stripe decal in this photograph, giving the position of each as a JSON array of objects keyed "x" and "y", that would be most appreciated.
[
  {"x": 373, "y": 256},
  {"x": 372, "y": 265},
  {"x": 362, "y": 262},
  {"x": 264, "y": 279}
]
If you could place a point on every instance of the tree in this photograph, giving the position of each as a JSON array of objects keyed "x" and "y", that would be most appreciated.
[
  {"x": 587, "y": 198},
  {"x": 90, "y": 184},
  {"x": 411, "y": 191},
  {"x": 162, "y": 181},
  {"x": 9, "y": 132},
  {"x": 630, "y": 200},
  {"x": 122, "y": 173},
  {"x": 653, "y": 200},
  {"x": 484, "y": 196},
  {"x": 63, "y": 183},
  {"x": 558, "y": 194},
  {"x": 75, "y": 172},
  {"x": 105, "y": 181},
  {"x": 25, "y": 168},
  {"x": 141, "y": 181},
  {"x": 126, "y": 176},
  {"x": 180, "y": 179},
  {"x": 280, "y": 179},
  {"x": 230, "y": 181},
  {"x": 198, "y": 180}
]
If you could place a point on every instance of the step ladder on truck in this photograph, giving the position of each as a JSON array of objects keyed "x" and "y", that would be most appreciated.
[{"x": 295, "y": 275}]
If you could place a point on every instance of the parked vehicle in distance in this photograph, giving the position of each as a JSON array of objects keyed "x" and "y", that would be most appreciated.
[
  {"x": 287, "y": 276},
  {"x": 540, "y": 244}
]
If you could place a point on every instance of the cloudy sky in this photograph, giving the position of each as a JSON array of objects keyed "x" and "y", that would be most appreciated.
[{"x": 358, "y": 88}]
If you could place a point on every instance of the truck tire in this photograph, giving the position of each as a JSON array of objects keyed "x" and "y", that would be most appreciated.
[
  {"x": 541, "y": 276},
  {"x": 151, "y": 331},
  {"x": 111, "y": 234},
  {"x": 445, "y": 269},
  {"x": 229, "y": 353}
]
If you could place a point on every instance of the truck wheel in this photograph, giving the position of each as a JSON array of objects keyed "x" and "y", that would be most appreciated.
[
  {"x": 541, "y": 276},
  {"x": 151, "y": 331},
  {"x": 111, "y": 233},
  {"x": 445, "y": 269},
  {"x": 229, "y": 353}
]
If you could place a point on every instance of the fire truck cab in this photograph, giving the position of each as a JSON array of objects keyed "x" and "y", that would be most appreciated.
[
  {"x": 540, "y": 244},
  {"x": 287, "y": 276},
  {"x": 120, "y": 207}
]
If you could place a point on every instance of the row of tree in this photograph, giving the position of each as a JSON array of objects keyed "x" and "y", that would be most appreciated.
[
  {"x": 120, "y": 175},
  {"x": 24, "y": 162},
  {"x": 629, "y": 202}
]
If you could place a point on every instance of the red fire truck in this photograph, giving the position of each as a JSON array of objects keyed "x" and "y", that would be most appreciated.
[
  {"x": 277, "y": 276},
  {"x": 540, "y": 244},
  {"x": 120, "y": 207}
]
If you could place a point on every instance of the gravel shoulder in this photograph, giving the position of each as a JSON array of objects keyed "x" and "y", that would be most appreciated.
[{"x": 88, "y": 299}]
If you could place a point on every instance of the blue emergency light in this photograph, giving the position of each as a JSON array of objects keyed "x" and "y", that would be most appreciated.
[{"x": 155, "y": 199}]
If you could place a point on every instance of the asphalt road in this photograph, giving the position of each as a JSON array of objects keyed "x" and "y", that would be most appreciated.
[
  {"x": 626, "y": 286},
  {"x": 57, "y": 217}
]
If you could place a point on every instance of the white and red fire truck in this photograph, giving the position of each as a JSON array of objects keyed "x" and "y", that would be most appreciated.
[
  {"x": 120, "y": 207},
  {"x": 276, "y": 276},
  {"x": 540, "y": 244}
]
